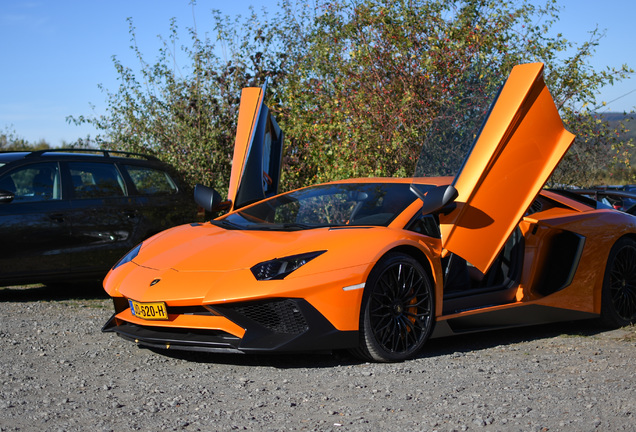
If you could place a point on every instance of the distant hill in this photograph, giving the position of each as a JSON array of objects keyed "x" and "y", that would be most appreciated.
[
  {"x": 630, "y": 123},
  {"x": 614, "y": 118},
  {"x": 617, "y": 116}
]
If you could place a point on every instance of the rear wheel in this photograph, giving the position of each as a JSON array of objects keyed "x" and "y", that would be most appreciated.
[
  {"x": 397, "y": 311},
  {"x": 618, "y": 299}
]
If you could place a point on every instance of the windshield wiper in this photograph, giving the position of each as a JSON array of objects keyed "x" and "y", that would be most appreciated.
[
  {"x": 291, "y": 226},
  {"x": 299, "y": 226},
  {"x": 227, "y": 224},
  {"x": 267, "y": 226}
]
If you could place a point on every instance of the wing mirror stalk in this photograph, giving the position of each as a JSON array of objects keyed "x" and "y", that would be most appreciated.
[
  {"x": 435, "y": 199},
  {"x": 210, "y": 199}
]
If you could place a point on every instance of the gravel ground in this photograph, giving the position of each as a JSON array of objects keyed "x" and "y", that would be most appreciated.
[{"x": 60, "y": 373}]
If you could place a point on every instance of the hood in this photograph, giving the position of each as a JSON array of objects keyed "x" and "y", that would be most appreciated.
[
  {"x": 208, "y": 248},
  {"x": 205, "y": 263}
]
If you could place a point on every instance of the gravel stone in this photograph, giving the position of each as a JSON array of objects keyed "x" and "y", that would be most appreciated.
[{"x": 59, "y": 372}]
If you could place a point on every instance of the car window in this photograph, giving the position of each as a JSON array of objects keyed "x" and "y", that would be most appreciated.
[
  {"x": 330, "y": 209},
  {"x": 425, "y": 224},
  {"x": 151, "y": 181},
  {"x": 96, "y": 180},
  {"x": 35, "y": 182}
]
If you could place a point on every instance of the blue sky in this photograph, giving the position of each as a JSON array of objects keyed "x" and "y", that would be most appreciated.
[{"x": 55, "y": 52}]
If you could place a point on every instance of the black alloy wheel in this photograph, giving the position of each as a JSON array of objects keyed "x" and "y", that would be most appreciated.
[
  {"x": 397, "y": 310},
  {"x": 618, "y": 301}
]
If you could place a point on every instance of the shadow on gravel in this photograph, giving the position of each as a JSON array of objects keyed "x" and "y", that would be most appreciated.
[
  {"x": 67, "y": 291},
  {"x": 433, "y": 348},
  {"x": 490, "y": 339},
  {"x": 317, "y": 360}
]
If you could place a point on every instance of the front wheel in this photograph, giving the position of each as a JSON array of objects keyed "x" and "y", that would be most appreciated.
[
  {"x": 397, "y": 311},
  {"x": 618, "y": 299}
]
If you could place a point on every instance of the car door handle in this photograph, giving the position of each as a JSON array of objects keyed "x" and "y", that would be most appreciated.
[{"x": 57, "y": 217}]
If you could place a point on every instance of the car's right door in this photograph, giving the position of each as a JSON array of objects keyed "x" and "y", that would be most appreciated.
[
  {"x": 103, "y": 218},
  {"x": 158, "y": 200}
]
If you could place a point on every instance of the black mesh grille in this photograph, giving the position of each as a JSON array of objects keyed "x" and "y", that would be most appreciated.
[{"x": 280, "y": 316}]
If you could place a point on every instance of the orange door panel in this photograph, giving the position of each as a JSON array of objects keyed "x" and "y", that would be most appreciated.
[
  {"x": 517, "y": 149},
  {"x": 258, "y": 148},
  {"x": 251, "y": 101}
]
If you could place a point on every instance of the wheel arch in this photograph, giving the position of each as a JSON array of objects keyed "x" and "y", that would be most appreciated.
[
  {"x": 433, "y": 272},
  {"x": 417, "y": 254},
  {"x": 373, "y": 349},
  {"x": 628, "y": 235}
]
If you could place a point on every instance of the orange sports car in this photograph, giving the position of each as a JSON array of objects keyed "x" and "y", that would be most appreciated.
[{"x": 380, "y": 265}]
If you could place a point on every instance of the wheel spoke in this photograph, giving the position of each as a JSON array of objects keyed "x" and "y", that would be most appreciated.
[
  {"x": 423, "y": 299},
  {"x": 625, "y": 301},
  {"x": 379, "y": 309},
  {"x": 418, "y": 316}
]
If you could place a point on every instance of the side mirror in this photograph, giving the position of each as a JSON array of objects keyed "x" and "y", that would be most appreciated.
[
  {"x": 210, "y": 199},
  {"x": 6, "y": 196},
  {"x": 436, "y": 198}
]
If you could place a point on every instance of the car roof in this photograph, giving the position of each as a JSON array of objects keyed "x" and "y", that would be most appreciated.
[{"x": 11, "y": 156}]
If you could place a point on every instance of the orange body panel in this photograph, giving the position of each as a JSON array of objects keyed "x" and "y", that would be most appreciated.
[{"x": 584, "y": 292}]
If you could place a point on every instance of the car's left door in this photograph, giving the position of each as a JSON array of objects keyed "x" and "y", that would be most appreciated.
[
  {"x": 256, "y": 164},
  {"x": 34, "y": 225}
]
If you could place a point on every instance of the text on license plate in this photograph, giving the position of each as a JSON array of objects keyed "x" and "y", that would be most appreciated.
[{"x": 149, "y": 311}]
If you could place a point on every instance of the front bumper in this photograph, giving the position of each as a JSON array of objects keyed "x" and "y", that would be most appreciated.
[{"x": 273, "y": 325}]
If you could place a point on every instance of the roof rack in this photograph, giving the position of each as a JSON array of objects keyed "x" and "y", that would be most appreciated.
[{"x": 105, "y": 153}]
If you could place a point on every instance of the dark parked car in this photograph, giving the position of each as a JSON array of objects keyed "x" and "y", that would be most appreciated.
[
  {"x": 620, "y": 197},
  {"x": 71, "y": 214}
]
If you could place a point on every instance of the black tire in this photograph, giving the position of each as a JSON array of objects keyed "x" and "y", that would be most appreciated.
[
  {"x": 396, "y": 317},
  {"x": 618, "y": 299}
]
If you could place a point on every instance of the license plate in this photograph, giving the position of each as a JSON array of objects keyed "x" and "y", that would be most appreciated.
[{"x": 149, "y": 311}]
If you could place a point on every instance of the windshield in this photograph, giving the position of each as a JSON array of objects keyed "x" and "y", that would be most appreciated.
[{"x": 332, "y": 205}]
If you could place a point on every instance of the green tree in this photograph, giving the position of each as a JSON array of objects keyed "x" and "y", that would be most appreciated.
[
  {"x": 9, "y": 140},
  {"x": 356, "y": 85},
  {"x": 599, "y": 154},
  {"x": 370, "y": 76}
]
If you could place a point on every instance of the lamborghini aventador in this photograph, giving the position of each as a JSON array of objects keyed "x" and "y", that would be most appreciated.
[{"x": 380, "y": 265}]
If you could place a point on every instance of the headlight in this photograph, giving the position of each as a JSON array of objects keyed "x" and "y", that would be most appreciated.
[
  {"x": 129, "y": 256},
  {"x": 278, "y": 268}
]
